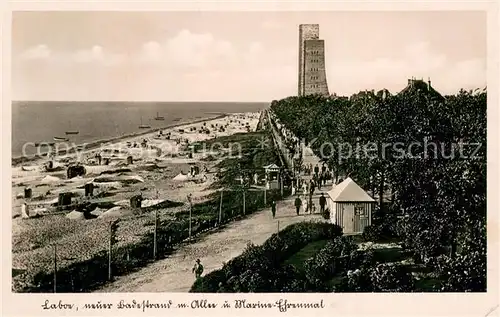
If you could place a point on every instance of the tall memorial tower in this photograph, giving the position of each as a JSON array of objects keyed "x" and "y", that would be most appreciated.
[{"x": 312, "y": 73}]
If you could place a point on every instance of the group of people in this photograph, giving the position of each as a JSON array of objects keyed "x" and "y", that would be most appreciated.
[
  {"x": 305, "y": 205},
  {"x": 308, "y": 205},
  {"x": 319, "y": 177},
  {"x": 308, "y": 169}
]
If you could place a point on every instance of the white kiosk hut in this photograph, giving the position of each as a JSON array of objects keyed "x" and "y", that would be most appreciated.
[
  {"x": 350, "y": 207},
  {"x": 272, "y": 176}
]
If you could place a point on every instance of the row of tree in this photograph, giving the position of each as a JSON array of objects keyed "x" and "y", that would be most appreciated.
[{"x": 426, "y": 150}]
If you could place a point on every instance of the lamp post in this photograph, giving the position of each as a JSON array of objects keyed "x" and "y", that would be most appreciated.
[
  {"x": 55, "y": 268},
  {"x": 220, "y": 208},
  {"x": 189, "y": 197}
]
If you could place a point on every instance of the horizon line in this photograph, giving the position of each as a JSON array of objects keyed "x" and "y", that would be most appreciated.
[{"x": 138, "y": 101}]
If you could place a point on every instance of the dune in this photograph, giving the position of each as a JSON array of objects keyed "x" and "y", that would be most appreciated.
[
  {"x": 96, "y": 169},
  {"x": 117, "y": 211},
  {"x": 123, "y": 203},
  {"x": 97, "y": 212},
  {"x": 38, "y": 211},
  {"x": 119, "y": 178},
  {"x": 181, "y": 177},
  {"x": 77, "y": 179},
  {"x": 151, "y": 202},
  {"x": 30, "y": 168},
  {"x": 75, "y": 215},
  {"x": 108, "y": 185},
  {"x": 49, "y": 202},
  {"x": 50, "y": 179}
]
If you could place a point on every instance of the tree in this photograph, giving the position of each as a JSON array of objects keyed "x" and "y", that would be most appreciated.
[{"x": 433, "y": 180}]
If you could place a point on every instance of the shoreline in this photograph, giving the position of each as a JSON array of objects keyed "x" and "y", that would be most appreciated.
[{"x": 19, "y": 160}]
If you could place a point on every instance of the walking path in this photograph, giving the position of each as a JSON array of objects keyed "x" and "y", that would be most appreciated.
[
  {"x": 174, "y": 274},
  {"x": 308, "y": 156}
]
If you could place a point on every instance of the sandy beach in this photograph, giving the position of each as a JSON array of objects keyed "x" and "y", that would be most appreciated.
[{"x": 156, "y": 165}]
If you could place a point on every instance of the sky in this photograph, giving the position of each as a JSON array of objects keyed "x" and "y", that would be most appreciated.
[{"x": 237, "y": 56}]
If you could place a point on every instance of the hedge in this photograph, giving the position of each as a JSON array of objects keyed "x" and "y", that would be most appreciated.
[{"x": 261, "y": 269}]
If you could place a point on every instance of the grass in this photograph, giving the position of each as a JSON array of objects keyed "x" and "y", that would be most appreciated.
[
  {"x": 386, "y": 255},
  {"x": 298, "y": 259},
  {"x": 427, "y": 284}
]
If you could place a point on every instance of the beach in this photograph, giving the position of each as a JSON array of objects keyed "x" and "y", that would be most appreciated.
[
  {"x": 63, "y": 148},
  {"x": 160, "y": 166},
  {"x": 41, "y": 121}
]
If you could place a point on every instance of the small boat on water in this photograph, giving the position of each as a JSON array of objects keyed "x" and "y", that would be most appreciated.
[
  {"x": 44, "y": 143},
  {"x": 72, "y": 132},
  {"x": 158, "y": 117},
  {"x": 60, "y": 139},
  {"x": 177, "y": 119},
  {"x": 144, "y": 126}
]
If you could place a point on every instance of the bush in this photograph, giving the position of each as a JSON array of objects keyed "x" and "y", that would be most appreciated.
[
  {"x": 333, "y": 258},
  {"x": 261, "y": 269},
  {"x": 209, "y": 283},
  {"x": 389, "y": 277},
  {"x": 295, "y": 286},
  {"x": 382, "y": 278},
  {"x": 363, "y": 259},
  {"x": 359, "y": 281},
  {"x": 326, "y": 214},
  {"x": 372, "y": 233},
  {"x": 465, "y": 273}
]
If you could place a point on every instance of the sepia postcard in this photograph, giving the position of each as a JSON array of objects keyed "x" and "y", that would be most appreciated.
[{"x": 242, "y": 158}]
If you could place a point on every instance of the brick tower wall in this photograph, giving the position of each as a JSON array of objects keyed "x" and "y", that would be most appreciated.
[
  {"x": 306, "y": 32},
  {"x": 314, "y": 78}
]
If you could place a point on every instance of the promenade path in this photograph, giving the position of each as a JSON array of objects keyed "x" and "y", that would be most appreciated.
[
  {"x": 174, "y": 274},
  {"x": 308, "y": 157}
]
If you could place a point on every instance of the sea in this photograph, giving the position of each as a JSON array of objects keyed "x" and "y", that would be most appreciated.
[{"x": 41, "y": 121}]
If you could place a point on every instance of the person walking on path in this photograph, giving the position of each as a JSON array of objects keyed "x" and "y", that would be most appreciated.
[
  {"x": 322, "y": 203},
  {"x": 273, "y": 208},
  {"x": 198, "y": 269},
  {"x": 312, "y": 186},
  {"x": 298, "y": 203},
  {"x": 316, "y": 170},
  {"x": 310, "y": 204}
]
